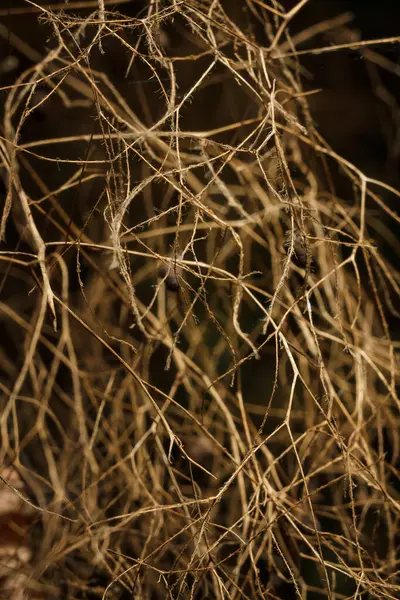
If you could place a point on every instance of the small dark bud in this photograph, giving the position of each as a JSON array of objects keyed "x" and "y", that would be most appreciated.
[
  {"x": 299, "y": 255},
  {"x": 170, "y": 273}
]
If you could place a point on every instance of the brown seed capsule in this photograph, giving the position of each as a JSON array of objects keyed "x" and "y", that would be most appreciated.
[
  {"x": 299, "y": 256},
  {"x": 171, "y": 274}
]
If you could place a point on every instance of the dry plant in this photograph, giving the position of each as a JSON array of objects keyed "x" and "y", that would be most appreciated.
[{"x": 198, "y": 385}]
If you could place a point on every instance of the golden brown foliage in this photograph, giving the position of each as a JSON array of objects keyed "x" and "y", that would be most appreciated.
[{"x": 198, "y": 378}]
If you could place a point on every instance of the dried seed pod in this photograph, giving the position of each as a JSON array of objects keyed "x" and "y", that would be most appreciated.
[
  {"x": 299, "y": 256},
  {"x": 171, "y": 273}
]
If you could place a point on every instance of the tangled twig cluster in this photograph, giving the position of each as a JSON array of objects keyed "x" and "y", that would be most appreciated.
[{"x": 198, "y": 379}]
